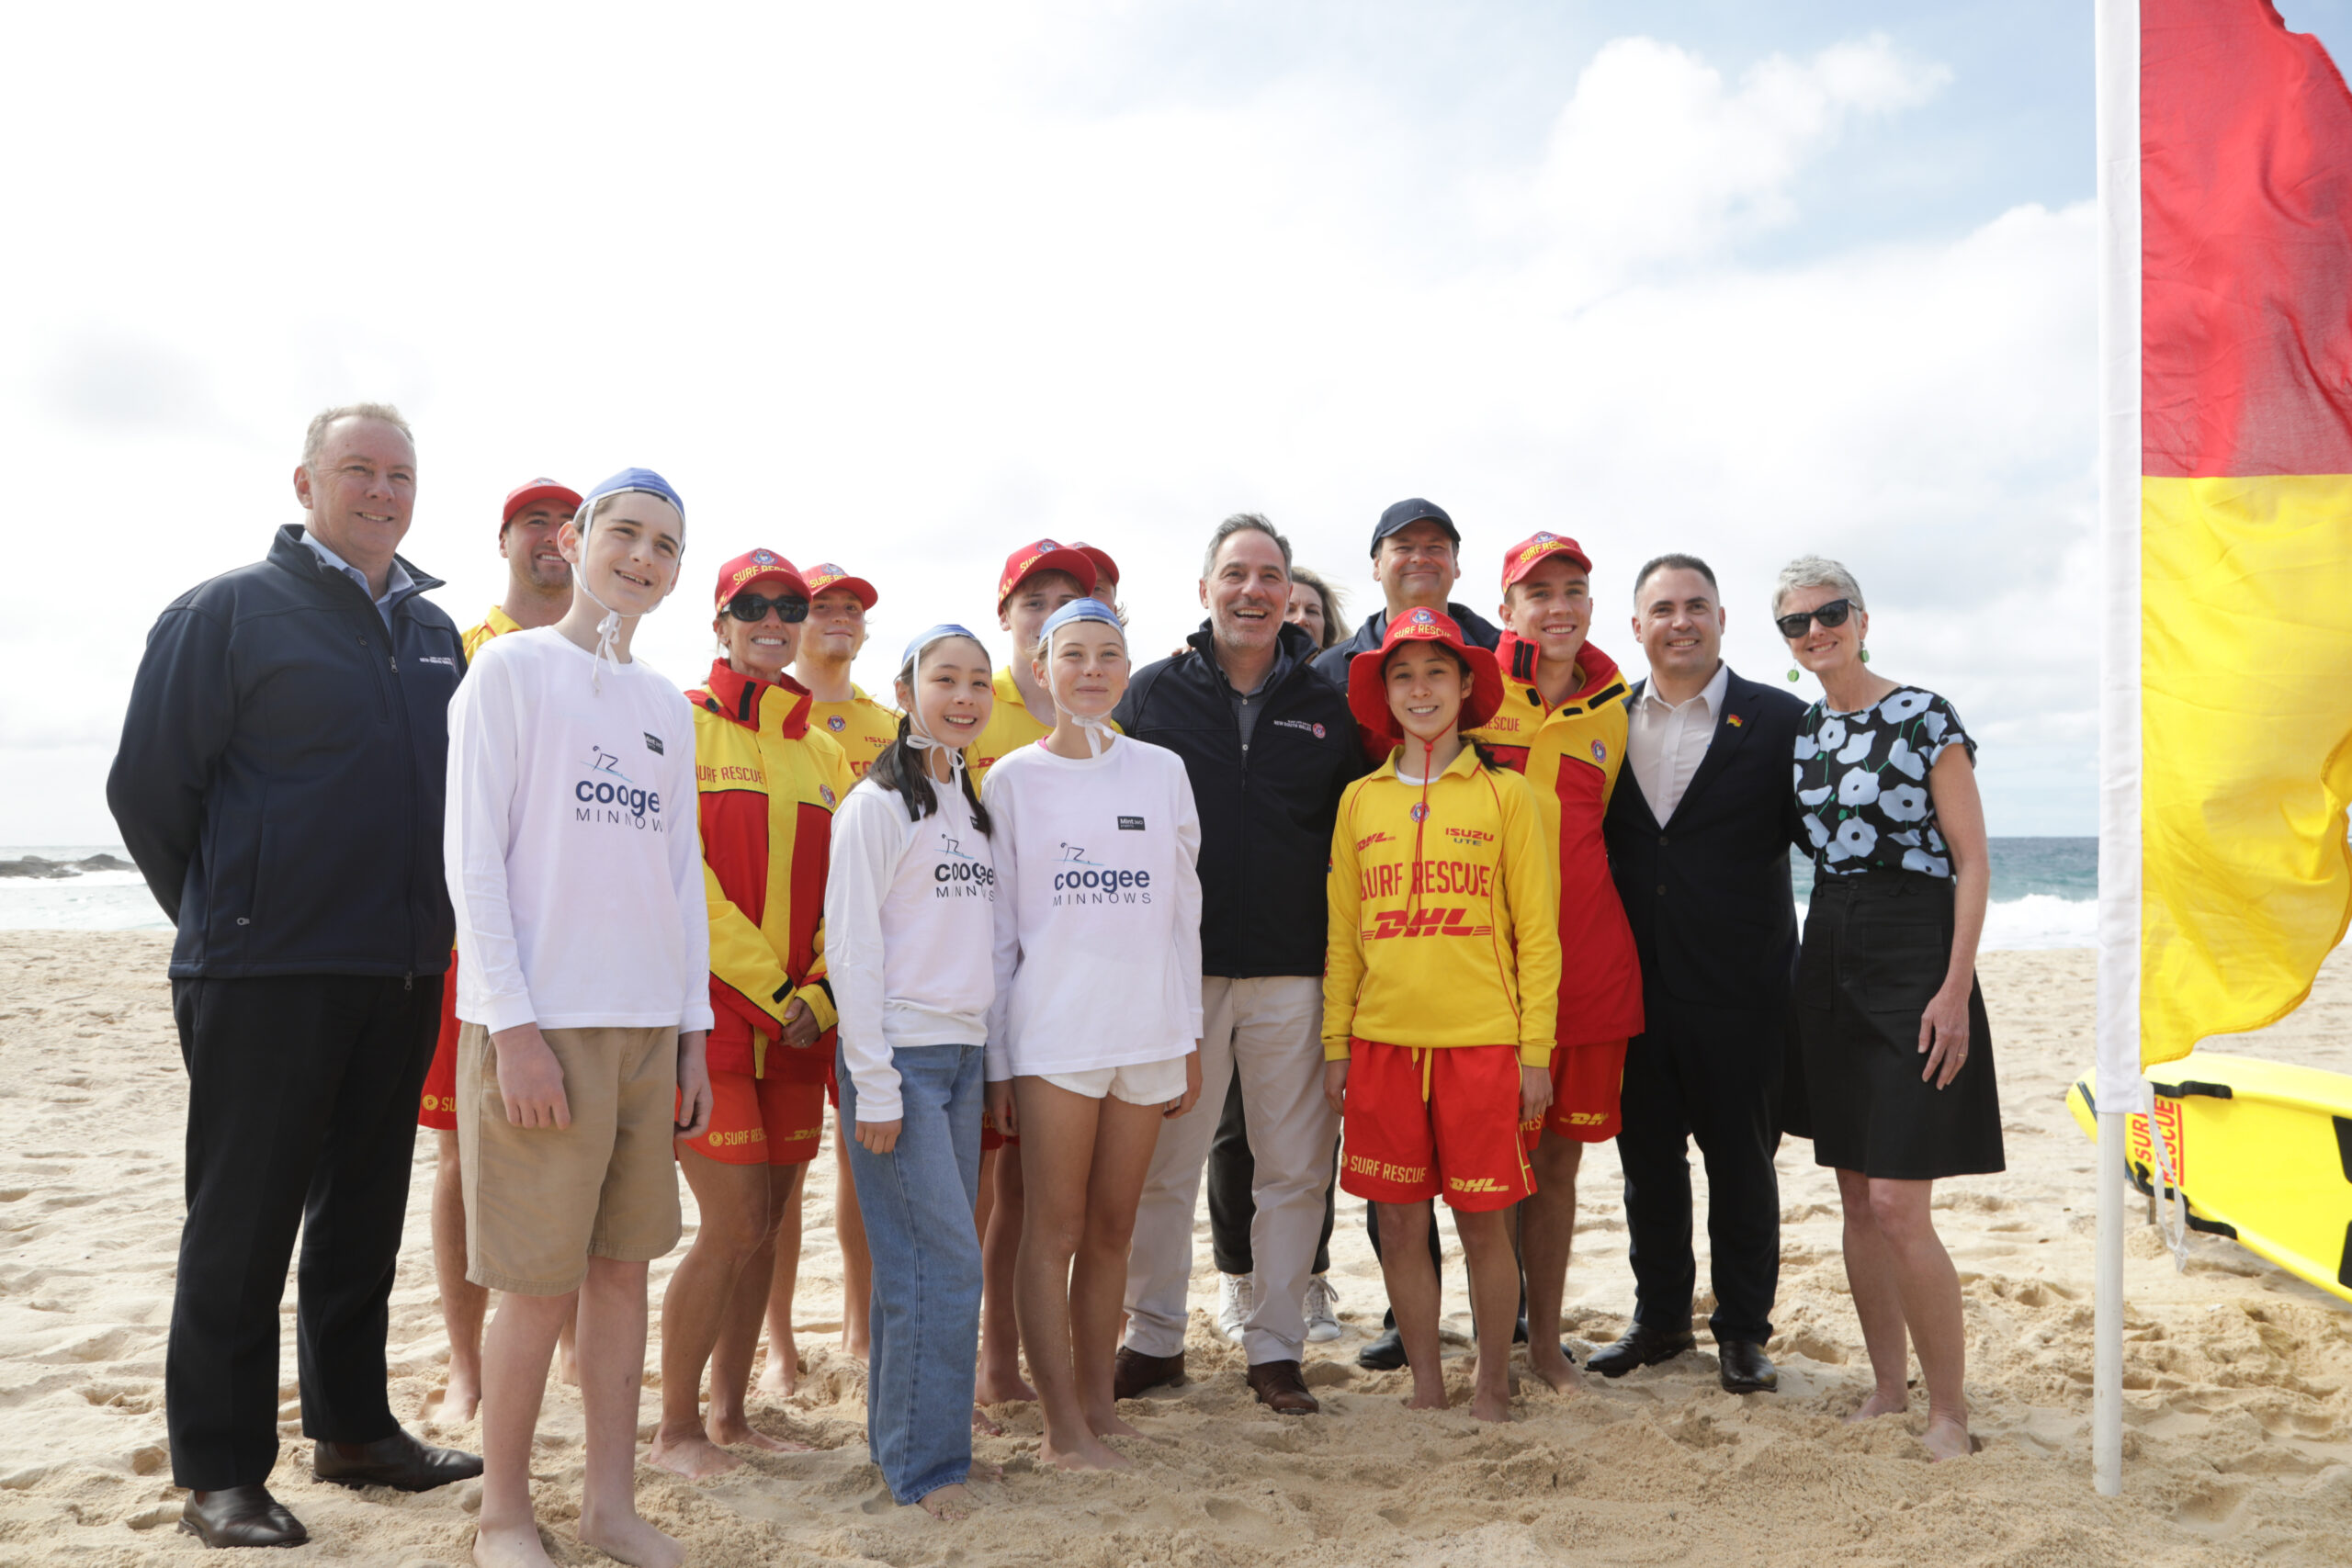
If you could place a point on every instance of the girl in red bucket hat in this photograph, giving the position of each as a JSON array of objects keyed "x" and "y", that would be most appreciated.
[{"x": 1441, "y": 977}]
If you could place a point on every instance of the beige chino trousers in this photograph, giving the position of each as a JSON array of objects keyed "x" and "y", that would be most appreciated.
[{"x": 1268, "y": 1030}]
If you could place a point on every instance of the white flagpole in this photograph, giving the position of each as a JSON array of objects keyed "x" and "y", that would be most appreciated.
[{"x": 2118, "y": 67}]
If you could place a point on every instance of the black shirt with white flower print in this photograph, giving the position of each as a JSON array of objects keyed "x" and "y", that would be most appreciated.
[{"x": 1862, "y": 781}]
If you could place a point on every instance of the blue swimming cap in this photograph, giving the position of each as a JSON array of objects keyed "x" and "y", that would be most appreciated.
[
  {"x": 1081, "y": 610},
  {"x": 641, "y": 480},
  {"x": 939, "y": 633}
]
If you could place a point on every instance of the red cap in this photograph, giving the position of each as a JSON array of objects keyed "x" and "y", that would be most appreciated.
[
  {"x": 521, "y": 496},
  {"x": 1368, "y": 683},
  {"x": 1105, "y": 569},
  {"x": 1525, "y": 556},
  {"x": 1043, "y": 556},
  {"x": 757, "y": 565},
  {"x": 827, "y": 575}
]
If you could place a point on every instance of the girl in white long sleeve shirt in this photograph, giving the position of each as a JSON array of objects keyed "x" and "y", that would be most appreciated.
[
  {"x": 910, "y": 923},
  {"x": 1095, "y": 1038}
]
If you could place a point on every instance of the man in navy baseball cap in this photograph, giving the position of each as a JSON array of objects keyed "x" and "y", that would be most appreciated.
[{"x": 1405, "y": 513}]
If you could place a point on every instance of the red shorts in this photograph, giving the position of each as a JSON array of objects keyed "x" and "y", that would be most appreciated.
[
  {"x": 1584, "y": 1084},
  {"x": 761, "y": 1121},
  {"x": 438, "y": 1107},
  {"x": 1423, "y": 1123}
]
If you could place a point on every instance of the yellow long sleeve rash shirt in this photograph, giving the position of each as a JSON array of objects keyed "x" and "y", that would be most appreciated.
[{"x": 1443, "y": 929}]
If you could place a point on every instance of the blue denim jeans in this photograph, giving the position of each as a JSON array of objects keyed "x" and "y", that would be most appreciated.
[{"x": 917, "y": 1204}]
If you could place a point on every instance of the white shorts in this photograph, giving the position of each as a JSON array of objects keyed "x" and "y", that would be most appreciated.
[{"x": 1143, "y": 1083}]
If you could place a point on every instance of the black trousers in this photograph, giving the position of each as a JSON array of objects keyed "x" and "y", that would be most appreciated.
[
  {"x": 1712, "y": 1074},
  {"x": 301, "y": 1114},
  {"x": 1231, "y": 1174}
]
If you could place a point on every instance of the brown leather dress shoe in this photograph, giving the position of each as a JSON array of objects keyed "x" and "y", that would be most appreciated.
[
  {"x": 400, "y": 1461},
  {"x": 1743, "y": 1368},
  {"x": 1133, "y": 1372},
  {"x": 1279, "y": 1388},
  {"x": 241, "y": 1516}
]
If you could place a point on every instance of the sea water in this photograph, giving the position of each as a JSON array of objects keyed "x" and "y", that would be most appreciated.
[{"x": 2045, "y": 894}]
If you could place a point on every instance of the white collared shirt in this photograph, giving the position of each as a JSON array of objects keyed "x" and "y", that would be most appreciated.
[
  {"x": 398, "y": 579},
  {"x": 1666, "y": 741}
]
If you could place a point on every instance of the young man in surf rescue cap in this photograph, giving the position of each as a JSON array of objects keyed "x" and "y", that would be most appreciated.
[
  {"x": 1442, "y": 966},
  {"x": 1562, "y": 724},
  {"x": 585, "y": 986},
  {"x": 769, "y": 784},
  {"x": 538, "y": 590},
  {"x": 1038, "y": 578},
  {"x": 831, "y": 640}
]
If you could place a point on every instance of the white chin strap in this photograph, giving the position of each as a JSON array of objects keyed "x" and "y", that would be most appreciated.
[
  {"x": 609, "y": 628},
  {"x": 920, "y": 737},
  {"x": 1098, "y": 731}
]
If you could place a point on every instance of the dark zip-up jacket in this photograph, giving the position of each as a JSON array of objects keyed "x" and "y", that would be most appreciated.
[
  {"x": 1332, "y": 662},
  {"x": 282, "y": 768},
  {"x": 1266, "y": 808}
]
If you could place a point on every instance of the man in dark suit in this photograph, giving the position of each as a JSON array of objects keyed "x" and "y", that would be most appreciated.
[{"x": 1700, "y": 848}]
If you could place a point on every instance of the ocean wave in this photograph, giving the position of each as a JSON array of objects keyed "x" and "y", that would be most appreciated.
[{"x": 2036, "y": 921}]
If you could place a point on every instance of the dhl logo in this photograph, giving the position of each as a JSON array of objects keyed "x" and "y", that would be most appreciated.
[
  {"x": 1423, "y": 922},
  {"x": 1475, "y": 1184}
]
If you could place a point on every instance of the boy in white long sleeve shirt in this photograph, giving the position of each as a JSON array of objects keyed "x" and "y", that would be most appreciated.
[{"x": 583, "y": 946}]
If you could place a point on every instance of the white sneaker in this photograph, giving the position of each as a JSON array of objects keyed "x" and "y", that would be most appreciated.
[
  {"x": 1237, "y": 1298},
  {"x": 1322, "y": 1308}
]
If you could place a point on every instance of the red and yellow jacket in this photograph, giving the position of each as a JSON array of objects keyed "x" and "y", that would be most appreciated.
[
  {"x": 1571, "y": 755},
  {"x": 769, "y": 787},
  {"x": 498, "y": 623},
  {"x": 1442, "y": 930},
  {"x": 862, "y": 727}
]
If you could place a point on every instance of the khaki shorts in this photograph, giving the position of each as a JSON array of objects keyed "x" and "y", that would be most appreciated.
[{"x": 541, "y": 1201}]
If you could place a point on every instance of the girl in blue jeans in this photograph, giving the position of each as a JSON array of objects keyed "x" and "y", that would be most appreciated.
[{"x": 909, "y": 922}]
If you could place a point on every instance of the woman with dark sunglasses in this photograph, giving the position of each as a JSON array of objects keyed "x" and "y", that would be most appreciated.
[
  {"x": 1898, "y": 1057},
  {"x": 770, "y": 785}
]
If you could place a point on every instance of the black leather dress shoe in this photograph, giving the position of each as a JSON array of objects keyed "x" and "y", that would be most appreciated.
[
  {"x": 241, "y": 1516},
  {"x": 400, "y": 1461},
  {"x": 1642, "y": 1347},
  {"x": 1745, "y": 1368},
  {"x": 1384, "y": 1354},
  {"x": 1132, "y": 1372}
]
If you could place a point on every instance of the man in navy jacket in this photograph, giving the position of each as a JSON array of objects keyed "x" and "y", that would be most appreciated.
[
  {"x": 1270, "y": 748},
  {"x": 279, "y": 784},
  {"x": 1699, "y": 832}
]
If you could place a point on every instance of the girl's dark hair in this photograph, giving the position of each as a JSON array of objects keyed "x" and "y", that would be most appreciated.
[
  {"x": 1485, "y": 758},
  {"x": 900, "y": 768}
]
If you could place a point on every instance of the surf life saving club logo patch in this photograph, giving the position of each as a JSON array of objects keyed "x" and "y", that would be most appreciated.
[
  {"x": 1081, "y": 883},
  {"x": 607, "y": 796},
  {"x": 836, "y": 723},
  {"x": 1314, "y": 729}
]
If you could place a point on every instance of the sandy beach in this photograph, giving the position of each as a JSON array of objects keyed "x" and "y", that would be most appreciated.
[{"x": 2239, "y": 1438}]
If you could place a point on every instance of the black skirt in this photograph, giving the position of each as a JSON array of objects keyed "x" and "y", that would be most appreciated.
[{"x": 1876, "y": 949}]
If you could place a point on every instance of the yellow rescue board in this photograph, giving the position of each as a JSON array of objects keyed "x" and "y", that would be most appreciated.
[{"x": 2262, "y": 1151}]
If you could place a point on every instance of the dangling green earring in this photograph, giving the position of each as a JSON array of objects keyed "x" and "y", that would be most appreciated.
[
  {"x": 1792, "y": 675},
  {"x": 1866, "y": 656}
]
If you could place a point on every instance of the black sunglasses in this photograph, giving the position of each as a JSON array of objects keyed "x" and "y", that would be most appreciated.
[
  {"x": 755, "y": 607},
  {"x": 1833, "y": 614}
]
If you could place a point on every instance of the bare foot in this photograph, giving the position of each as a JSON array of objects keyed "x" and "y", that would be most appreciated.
[
  {"x": 781, "y": 1376},
  {"x": 1491, "y": 1407},
  {"x": 513, "y": 1546},
  {"x": 1426, "y": 1397},
  {"x": 858, "y": 1345},
  {"x": 984, "y": 1424},
  {"x": 1090, "y": 1452},
  {"x": 631, "y": 1540},
  {"x": 998, "y": 1387},
  {"x": 1108, "y": 1425},
  {"x": 454, "y": 1406},
  {"x": 1879, "y": 1404},
  {"x": 690, "y": 1454},
  {"x": 1555, "y": 1369},
  {"x": 949, "y": 1502},
  {"x": 1947, "y": 1439},
  {"x": 740, "y": 1434}
]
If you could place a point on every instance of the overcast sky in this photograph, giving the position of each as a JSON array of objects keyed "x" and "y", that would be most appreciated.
[{"x": 902, "y": 288}]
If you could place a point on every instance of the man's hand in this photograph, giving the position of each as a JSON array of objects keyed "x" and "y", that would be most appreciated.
[
  {"x": 1192, "y": 1095},
  {"x": 800, "y": 1028},
  {"x": 694, "y": 1085},
  {"x": 1534, "y": 1091},
  {"x": 1335, "y": 1086},
  {"x": 530, "y": 1080},
  {"x": 879, "y": 1137},
  {"x": 998, "y": 1099}
]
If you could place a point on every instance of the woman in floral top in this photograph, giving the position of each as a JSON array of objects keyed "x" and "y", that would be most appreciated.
[{"x": 1897, "y": 1057}]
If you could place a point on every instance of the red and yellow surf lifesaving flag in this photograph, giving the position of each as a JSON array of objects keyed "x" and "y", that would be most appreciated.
[{"x": 2244, "y": 519}]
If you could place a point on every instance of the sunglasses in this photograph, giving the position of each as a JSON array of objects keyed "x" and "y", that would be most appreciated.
[
  {"x": 755, "y": 607},
  {"x": 1833, "y": 614}
]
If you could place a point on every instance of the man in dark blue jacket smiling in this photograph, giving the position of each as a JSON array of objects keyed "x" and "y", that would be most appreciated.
[
  {"x": 279, "y": 784},
  {"x": 1269, "y": 747}
]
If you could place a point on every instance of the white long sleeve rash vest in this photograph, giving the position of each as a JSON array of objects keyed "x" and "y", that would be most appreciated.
[
  {"x": 1098, "y": 910},
  {"x": 571, "y": 845},
  {"x": 910, "y": 933}
]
